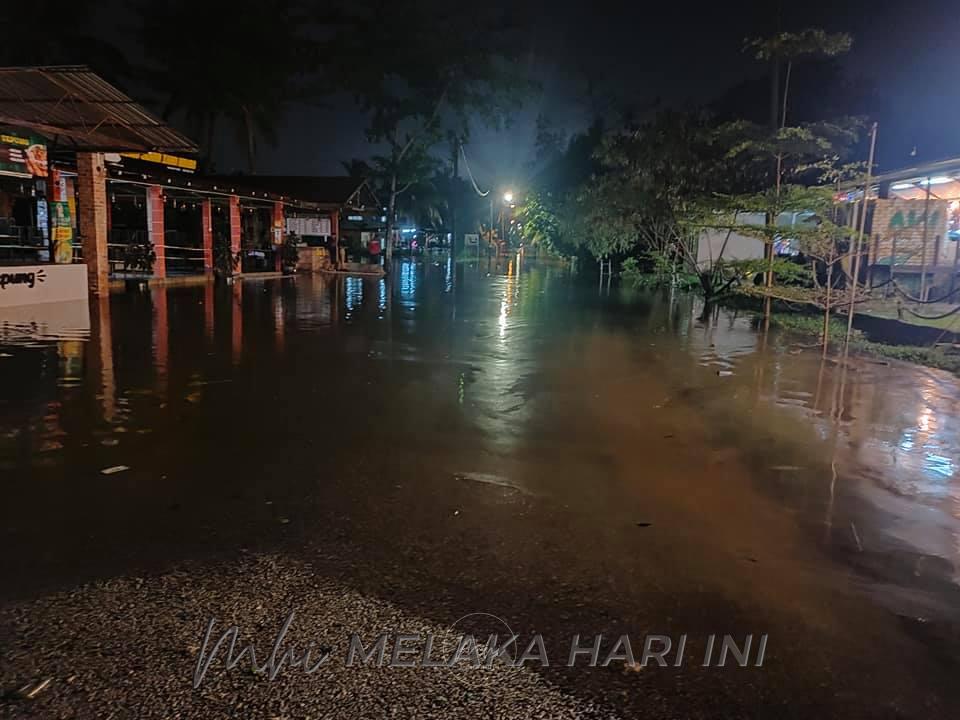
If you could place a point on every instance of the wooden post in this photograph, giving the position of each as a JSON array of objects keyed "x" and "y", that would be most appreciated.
[
  {"x": 956, "y": 259},
  {"x": 923, "y": 245},
  {"x": 893, "y": 262},
  {"x": 863, "y": 221}
]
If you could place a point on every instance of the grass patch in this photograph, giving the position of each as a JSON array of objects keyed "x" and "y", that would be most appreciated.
[
  {"x": 812, "y": 326},
  {"x": 888, "y": 309}
]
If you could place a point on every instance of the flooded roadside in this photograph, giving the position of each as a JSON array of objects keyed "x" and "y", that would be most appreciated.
[{"x": 515, "y": 444}]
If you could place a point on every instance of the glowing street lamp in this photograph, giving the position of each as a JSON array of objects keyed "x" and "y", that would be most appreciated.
[{"x": 508, "y": 197}]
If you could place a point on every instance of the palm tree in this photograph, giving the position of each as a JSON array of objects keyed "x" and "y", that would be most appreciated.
[{"x": 246, "y": 74}]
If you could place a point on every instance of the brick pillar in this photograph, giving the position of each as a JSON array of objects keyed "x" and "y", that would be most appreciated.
[
  {"x": 92, "y": 216},
  {"x": 235, "y": 229},
  {"x": 206, "y": 232},
  {"x": 278, "y": 222},
  {"x": 155, "y": 229},
  {"x": 109, "y": 216}
]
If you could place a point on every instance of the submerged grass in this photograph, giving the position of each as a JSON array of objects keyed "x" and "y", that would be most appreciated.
[{"x": 812, "y": 326}]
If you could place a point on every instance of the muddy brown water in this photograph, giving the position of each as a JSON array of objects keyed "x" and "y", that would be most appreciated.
[{"x": 463, "y": 439}]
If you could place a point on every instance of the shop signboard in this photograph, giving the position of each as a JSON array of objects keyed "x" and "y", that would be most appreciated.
[
  {"x": 22, "y": 154},
  {"x": 910, "y": 224},
  {"x": 147, "y": 160},
  {"x": 36, "y": 284},
  {"x": 62, "y": 233}
]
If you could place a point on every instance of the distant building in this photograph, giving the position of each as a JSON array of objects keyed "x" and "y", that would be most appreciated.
[
  {"x": 912, "y": 227},
  {"x": 341, "y": 212},
  {"x": 717, "y": 244}
]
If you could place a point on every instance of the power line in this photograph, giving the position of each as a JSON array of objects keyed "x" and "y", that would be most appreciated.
[{"x": 466, "y": 164}]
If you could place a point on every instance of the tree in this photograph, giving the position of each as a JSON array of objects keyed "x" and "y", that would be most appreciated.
[
  {"x": 659, "y": 179},
  {"x": 806, "y": 155},
  {"x": 415, "y": 190},
  {"x": 58, "y": 32},
  {"x": 789, "y": 48},
  {"x": 539, "y": 220},
  {"x": 455, "y": 72},
  {"x": 561, "y": 167},
  {"x": 269, "y": 62}
]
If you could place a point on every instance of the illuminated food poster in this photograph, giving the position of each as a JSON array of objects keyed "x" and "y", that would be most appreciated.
[{"x": 22, "y": 154}]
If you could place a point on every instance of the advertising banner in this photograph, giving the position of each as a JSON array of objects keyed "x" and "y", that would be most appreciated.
[
  {"x": 907, "y": 223},
  {"x": 22, "y": 154},
  {"x": 62, "y": 233}
]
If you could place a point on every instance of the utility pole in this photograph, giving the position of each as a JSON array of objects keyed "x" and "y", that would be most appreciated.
[
  {"x": 453, "y": 196},
  {"x": 490, "y": 239},
  {"x": 923, "y": 245}
]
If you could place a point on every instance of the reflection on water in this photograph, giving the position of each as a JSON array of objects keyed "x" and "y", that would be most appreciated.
[
  {"x": 31, "y": 324},
  {"x": 466, "y": 364}
]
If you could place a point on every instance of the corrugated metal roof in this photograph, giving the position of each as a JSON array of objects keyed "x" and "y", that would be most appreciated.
[
  {"x": 950, "y": 167},
  {"x": 83, "y": 111}
]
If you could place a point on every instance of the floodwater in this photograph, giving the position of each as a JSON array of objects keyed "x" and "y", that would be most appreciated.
[{"x": 509, "y": 440}]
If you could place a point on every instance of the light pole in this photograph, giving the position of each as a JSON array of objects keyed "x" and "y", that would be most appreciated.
[{"x": 507, "y": 200}]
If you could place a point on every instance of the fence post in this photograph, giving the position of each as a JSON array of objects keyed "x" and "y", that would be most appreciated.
[
  {"x": 893, "y": 262},
  {"x": 956, "y": 259}
]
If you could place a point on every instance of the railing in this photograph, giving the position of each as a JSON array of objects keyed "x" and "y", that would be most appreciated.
[
  {"x": 180, "y": 257},
  {"x": 183, "y": 255},
  {"x": 22, "y": 245},
  {"x": 119, "y": 245},
  {"x": 183, "y": 260}
]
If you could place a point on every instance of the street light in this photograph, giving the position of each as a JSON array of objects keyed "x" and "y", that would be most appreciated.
[{"x": 508, "y": 197}]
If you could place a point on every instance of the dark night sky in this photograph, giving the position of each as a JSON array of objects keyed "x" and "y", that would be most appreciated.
[{"x": 637, "y": 53}]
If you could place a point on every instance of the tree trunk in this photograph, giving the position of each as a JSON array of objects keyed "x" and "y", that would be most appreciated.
[
  {"x": 774, "y": 93},
  {"x": 251, "y": 146},
  {"x": 826, "y": 309},
  {"x": 391, "y": 222},
  {"x": 786, "y": 92},
  {"x": 211, "y": 127}
]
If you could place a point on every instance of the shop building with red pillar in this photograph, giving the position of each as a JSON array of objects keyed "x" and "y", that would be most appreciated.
[{"x": 106, "y": 193}]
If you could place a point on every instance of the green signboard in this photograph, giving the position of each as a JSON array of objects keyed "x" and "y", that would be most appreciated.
[
  {"x": 22, "y": 153},
  {"x": 62, "y": 232}
]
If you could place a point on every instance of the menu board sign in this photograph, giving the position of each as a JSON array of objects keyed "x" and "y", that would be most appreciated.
[
  {"x": 313, "y": 226},
  {"x": 22, "y": 154}
]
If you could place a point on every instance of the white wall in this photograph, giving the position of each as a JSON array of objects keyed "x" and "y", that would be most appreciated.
[
  {"x": 743, "y": 247},
  {"x": 38, "y": 284},
  {"x": 739, "y": 247}
]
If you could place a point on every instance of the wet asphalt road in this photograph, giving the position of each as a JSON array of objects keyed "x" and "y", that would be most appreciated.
[{"x": 511, "y": 444}]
